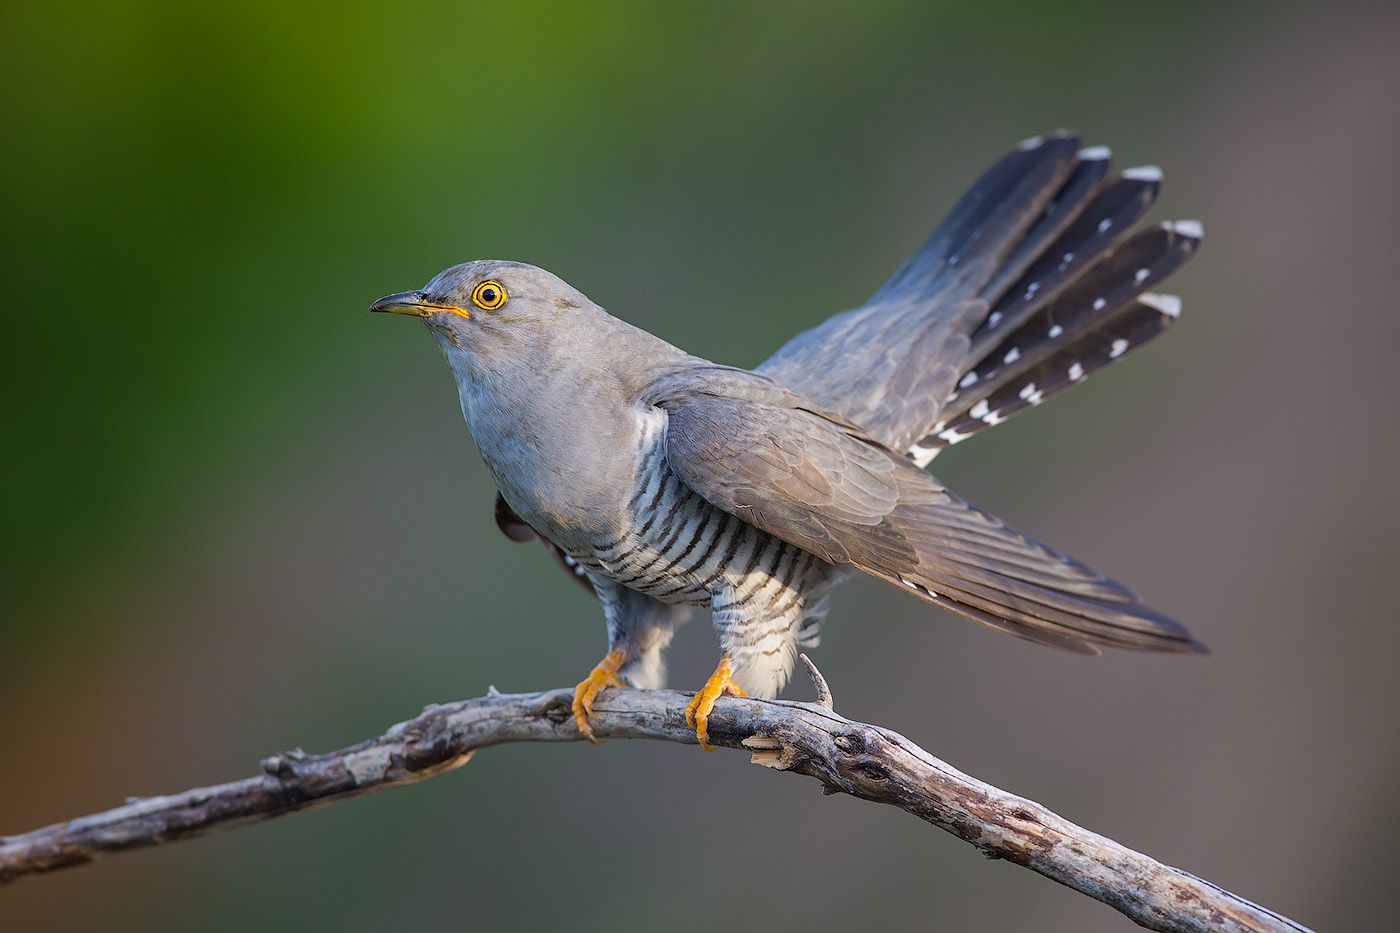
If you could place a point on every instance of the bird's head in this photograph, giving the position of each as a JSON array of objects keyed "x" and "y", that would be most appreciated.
[
  {"x": 517, "y": 337},
  {"x": 487, "y": 307}
]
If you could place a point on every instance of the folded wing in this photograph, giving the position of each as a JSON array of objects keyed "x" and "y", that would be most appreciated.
[{"x": 823, "y": 485}]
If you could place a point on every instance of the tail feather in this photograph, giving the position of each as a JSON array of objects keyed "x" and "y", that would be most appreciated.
[
  {"x": 982, "y": 229},
  {"x": 1145, "y": 319},
  {"x": 1115, "y": 208},
  {"x": 1096, "y": 297},
  {"x": 1080, "y": 193},
  {"x": 1047, "y": 343}
]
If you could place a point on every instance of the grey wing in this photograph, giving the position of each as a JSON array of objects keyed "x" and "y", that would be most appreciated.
[{"x": 824, "y": 486}]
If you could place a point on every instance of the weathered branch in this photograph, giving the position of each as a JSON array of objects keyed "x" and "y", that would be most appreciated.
[{"x": 862, "y": 760}]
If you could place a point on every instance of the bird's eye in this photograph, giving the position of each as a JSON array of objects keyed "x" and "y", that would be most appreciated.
[{"x": 489, "y": 295}]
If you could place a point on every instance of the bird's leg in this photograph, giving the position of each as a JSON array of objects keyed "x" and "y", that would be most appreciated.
[
  {"x": 697, "y": 713},
  {"x": 601, "y": 677}
]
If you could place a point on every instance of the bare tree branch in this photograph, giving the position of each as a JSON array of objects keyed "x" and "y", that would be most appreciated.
[{"x": 862, "y": 760}]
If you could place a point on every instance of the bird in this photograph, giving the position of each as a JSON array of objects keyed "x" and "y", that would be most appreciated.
[{"x": 666, "y": 483}]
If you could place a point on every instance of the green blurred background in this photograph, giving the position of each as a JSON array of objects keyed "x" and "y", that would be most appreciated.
[{"x": 239, "y": 514}]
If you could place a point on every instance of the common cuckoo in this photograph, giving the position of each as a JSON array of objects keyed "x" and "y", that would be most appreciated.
[{"x": 666, "y": 482}]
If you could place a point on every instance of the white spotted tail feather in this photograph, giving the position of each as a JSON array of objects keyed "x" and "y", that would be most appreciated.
[
  {"x": 1146, "y": 317},
  {"x": 1097, "y": 319},
  {"x": 1101, "y": 220},
  {"x": 1038, "y": 254}
]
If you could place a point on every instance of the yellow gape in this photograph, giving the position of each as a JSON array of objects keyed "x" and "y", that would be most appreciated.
[{"x": 489, "y": 295}]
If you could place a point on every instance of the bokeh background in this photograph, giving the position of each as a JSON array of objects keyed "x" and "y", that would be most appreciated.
[{"x": 240, "y": 515}]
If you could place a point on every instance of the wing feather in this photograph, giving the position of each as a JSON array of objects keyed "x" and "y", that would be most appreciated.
[{"x": 824, "y": 486}]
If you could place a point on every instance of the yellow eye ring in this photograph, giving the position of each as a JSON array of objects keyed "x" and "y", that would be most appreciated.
[{"x": 489, "y": 295}]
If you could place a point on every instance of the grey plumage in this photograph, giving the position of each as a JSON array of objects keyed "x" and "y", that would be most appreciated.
[{"x": 666, "y": 482}]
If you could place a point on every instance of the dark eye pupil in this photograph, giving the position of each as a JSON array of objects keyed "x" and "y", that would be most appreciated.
[{"x": 488, "y": 295}]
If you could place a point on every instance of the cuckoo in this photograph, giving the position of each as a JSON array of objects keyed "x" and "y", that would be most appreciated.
[{"x": 664, "y": 482}]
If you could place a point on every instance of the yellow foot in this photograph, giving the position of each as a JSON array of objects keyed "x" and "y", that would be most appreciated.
[
  {"x": 697, "y": 714},
  {"x": 601, "y": 677}
]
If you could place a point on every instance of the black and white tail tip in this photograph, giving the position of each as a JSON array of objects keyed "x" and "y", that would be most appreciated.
[{"x": 1073, "y": 295}]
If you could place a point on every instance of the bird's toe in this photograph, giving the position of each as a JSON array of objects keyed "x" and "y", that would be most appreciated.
[
  {"x": 697, "y": 711},
  {"x": 599, "y": 679}
]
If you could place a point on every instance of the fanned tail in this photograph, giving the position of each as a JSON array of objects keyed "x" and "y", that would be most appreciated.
[
  {"x": 1076, "y": 307},
  {"x": 1038, "y": 255},
  {"x": 1103, "y": 217},
  {"x": 1096, "y": 319},
  {"x": 1145, "y": 318}
]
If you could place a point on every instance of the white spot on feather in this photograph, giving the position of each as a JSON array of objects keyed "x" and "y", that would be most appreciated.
[
  {"x": 968, "y": 381},
  {"x": 1031, "y": 289},
  {"x": 1012, "y": 356},
  {"x": 1105, "y": 224},
  {"x": 1120, "y": 346},
  {"x": 1141, "y": 276},
  {"x": 1034, "y": 142},
  {"x": 953, "y": 435},
  {"x": 1143, "y": 173},
  {"x": 1099, "y": 304},
  {"x": 1076, "y": 372},
  {"x": 1030, "y": 393},
  {"x": 1170, "y": 305},
  {"x": 1188, "y": 228},
  {"x": 923, "y": 455},
  {"x": 980, "y": 409},
  {"x": 918, "y": 588},
  {"x": 993, "y": 319},
  {"x": 1055, "y": 331},
  {"x": 1095, "y": 153}
]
